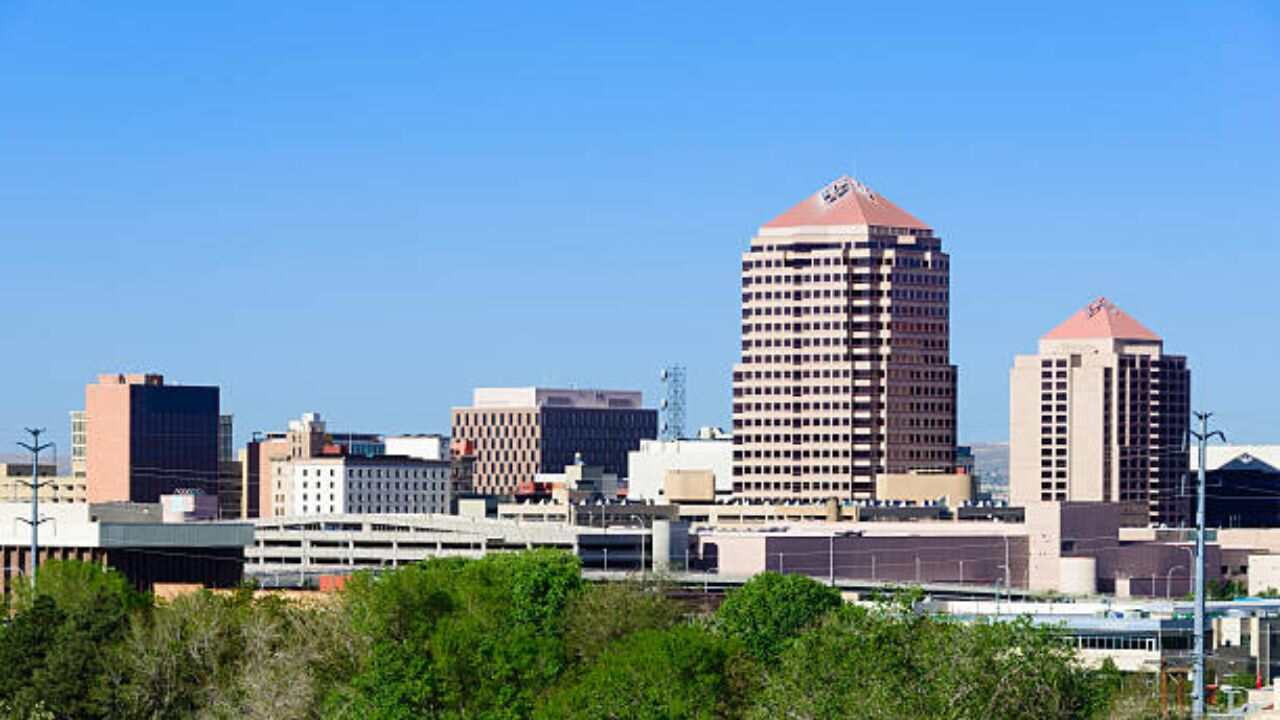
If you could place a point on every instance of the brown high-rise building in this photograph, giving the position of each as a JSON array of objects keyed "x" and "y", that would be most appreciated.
[
  {"x": 145, "y": 439},
  {"x": 1101, "y": 414},
  {"x": 845, "y": 373}
]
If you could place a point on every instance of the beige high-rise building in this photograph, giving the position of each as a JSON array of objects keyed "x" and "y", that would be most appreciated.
[
  {"x": 1101, "y": 414},
  {"x": 845, "y": 373}
]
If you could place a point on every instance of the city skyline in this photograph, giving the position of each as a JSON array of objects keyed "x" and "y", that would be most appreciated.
[{"x": 374, "y": 232}]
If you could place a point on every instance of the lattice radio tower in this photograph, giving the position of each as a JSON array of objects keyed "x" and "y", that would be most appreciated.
[{"x": 672, "y": 402}]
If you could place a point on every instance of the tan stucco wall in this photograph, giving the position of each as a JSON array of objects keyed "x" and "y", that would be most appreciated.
[
  {"x": 107, "y": 443},
  {"x": 922, "y": 487},
  {"x": 689, "y": 485},
  {"x": 1264, "y": 573}
]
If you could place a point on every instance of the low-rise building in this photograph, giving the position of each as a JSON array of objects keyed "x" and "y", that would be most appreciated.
[
  {"x": 293, "y": 551},
  {"x": 1242, "y": 485},
  {"x": 129, "y": 537},
  {"x": 1072, "y": 548},
  {"x": 678, "y": 470},
  {"x": 54, "y": 488}
]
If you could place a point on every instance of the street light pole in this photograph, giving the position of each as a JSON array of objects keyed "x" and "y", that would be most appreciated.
[
  {"x": 1168, "y": 582},
  {"x": 34, "y": 447},
  {"x": 1197, "y": 688}
]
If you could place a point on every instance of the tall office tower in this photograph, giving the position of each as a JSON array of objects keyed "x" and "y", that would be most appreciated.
[
  {"x": 1101, "y": 413},
  {"x": 79, "y": 441},
  {"x": 147, "y": 439},
  {"x": 520, "y": 432},
  {"x": 845, "y": 374}
]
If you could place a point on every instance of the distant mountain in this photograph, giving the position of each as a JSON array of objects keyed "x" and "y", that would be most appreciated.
[
  {"x": 992, "y": 459},
  {"x": 991, "y": 467},
  {"x": 64, "y": 463}
]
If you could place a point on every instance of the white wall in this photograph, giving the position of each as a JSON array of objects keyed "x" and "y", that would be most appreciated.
[
  {"x": 353, "y": 486},
  {"x": 647, "y": 466},
  {"x": 423, "y": 447},
  {"x": 319, "y": 488},
  {"x": 69, "y": 526}
]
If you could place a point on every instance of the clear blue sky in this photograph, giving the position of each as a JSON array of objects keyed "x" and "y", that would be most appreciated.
[{"x": 366, "y": 209}]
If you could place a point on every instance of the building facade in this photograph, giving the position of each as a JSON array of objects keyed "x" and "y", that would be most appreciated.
[
  {"x": 54, "y": 488},
  {"x": 263, "y": 493},
  {"x": 226, "y": 438},
  {"x": 517, "y": 433},
  {"x": 658, "y": 468},
  {"x": 358, "y": 484},
  {"x": 1242, "y": 485},
  {"x": 79, "y": 441},
  {"x": 146, "y": 439},
  {"x": 129, "y": 537},
  {"x": 423, "y": 447},
  {"x": 258, "y": 492},
  {"x": 1101, "y": 414},
  {"x": 845, "y": 372}
]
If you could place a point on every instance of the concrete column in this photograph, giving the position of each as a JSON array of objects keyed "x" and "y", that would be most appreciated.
[{"x": 661, "y": 534}]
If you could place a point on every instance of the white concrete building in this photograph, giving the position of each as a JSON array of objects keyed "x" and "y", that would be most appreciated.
[
  {"x": 648, "y": 467},
  {"x": 356, "y": 484},
  {"x": 423, "y": 447}
]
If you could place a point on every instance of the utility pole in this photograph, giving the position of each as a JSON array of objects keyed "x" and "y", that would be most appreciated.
[
  {"x": 34, "y": 447},
  {"x": 1197, "y": 688}
]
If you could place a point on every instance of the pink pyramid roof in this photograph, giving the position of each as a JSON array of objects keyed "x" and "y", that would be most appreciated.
[
  {"x": 846, "y": 202},
  {"x": 1101, "y": 319}
]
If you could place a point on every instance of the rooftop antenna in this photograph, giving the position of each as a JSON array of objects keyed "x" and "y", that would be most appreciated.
[{"x": 672, "y": 378}]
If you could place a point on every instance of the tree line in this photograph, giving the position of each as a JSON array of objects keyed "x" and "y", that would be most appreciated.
[{"x": 516, "y": 636}]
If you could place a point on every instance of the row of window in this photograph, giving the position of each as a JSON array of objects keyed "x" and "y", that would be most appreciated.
[
  {"x": 862, "y": 353},
  {"x": 843, "y": 487},
  {"x": 847, "y": 310}
]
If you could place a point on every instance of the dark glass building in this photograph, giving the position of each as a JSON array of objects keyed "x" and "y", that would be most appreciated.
[
  {"x": 147, "y": 439},
  {"x": 1244, "y": 492}
]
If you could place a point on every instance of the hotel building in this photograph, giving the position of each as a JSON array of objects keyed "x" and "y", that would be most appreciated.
[
  {"x": 1101, "y": 414},
  {"x": 845, "y": 373}
]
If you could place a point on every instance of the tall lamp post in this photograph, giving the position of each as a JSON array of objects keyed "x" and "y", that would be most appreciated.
[
  {"x": 1168, "y": 581},
  {"x": 1203, "y": 436}
]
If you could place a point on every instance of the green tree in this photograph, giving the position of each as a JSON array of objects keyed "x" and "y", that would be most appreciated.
[
  {"x": 894, "y": 662},
  {"x": 234, "y": 656},
  {"x": 82, "y": 609},
  {"x": 459, "y": 638},
  {"x": 770, "y": 610},
  {"x": 25, "y": 642},
  {"x": 682, "y": 673},
  {"x": 607, "y": 612}
]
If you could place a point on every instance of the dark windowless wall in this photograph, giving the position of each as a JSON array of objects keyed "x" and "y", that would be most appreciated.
[
  {"x": 603, "y": 436},
  {"x": 173, "y": 440}
]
